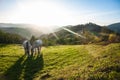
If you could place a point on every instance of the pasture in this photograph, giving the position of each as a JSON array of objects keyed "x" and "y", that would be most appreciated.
[{"x": 69, "y": 62}]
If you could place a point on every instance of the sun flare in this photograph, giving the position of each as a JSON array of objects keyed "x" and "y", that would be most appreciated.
[
  {"x": 56, "y": 13},
  {"x": 39, "y": 12}
]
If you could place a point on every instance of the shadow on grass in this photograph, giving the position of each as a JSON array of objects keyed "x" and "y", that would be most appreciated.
[
  {"x": 32, "y": 66},
  {"x": 3, "y": 45},
  {"x": 25, "y": 68},
  {"x": 14, "y": 72}
]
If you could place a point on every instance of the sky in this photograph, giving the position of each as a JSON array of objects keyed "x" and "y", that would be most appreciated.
[{"x": 52, "y": 13}]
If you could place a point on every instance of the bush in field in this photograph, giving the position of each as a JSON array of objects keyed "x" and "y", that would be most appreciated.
[
  {"x": 112, "y": 37},
  {"x": 97, "y": 39}
]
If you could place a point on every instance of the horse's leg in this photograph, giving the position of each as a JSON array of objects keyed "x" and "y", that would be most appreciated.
[
  {"x": 31, "y": 52},
  {"x": 38, "y": 50},
  {"x": 25, "y": 50},
  {"x": 35, "y": 50}
]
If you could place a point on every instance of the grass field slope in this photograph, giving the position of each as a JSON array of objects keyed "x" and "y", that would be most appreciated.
[{"x": 69, "y": 62}]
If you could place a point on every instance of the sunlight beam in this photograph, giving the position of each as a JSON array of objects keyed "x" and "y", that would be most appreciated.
[{"x": 74, "y": 33}]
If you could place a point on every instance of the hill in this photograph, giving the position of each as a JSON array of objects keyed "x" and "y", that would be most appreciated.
[
  {"x": 24, "y": 30},
  {"x": 10, "y": 38},
  {"x": 115, "y": 27},
  {"x": 76, "y": 62},
  {"x": 77, "y": 34},
  {"x": 81, "y": 34}
]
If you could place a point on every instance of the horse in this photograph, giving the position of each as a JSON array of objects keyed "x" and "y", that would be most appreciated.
[
  {"x": 27, "y": 47},
  {"x": 36, "y": 46}
]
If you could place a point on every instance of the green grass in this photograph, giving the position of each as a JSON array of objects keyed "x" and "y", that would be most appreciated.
[{"x": 69, "y": 62}]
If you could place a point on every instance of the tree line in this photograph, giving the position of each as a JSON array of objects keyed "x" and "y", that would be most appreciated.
[{"x": 9, "y": 38}]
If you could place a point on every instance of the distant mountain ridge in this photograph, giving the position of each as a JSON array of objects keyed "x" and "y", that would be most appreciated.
[
  {"x": 25, "y": 30},
  {"x": 21, "y": 29},
  {"x": 10, "y": 38},
  {"x": 72, "y": 34},
  {"x": 89, "y": 27},
  {"x": 115, "y": 27}
]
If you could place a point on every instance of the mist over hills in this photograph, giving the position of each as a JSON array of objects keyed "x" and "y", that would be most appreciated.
[
  {"x": 23, "y": 30},
  {"x": 91, "y": 31}
]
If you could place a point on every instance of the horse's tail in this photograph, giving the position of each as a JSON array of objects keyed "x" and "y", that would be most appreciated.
[{"x": 27, "y": 47}]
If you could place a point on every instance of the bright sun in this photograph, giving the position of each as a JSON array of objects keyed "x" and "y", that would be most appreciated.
[{"x": 41, "y": 12}]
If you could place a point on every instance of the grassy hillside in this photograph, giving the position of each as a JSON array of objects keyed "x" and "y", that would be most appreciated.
[
  {"x": 70, "y": 62},
  {"x": 80, "y": 34}
]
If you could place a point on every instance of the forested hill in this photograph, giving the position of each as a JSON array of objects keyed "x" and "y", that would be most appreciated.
[
  {"x": 9, "y": 38},
  {"x": 93, "y": 33},
  {"x": 23, "y": 30},
  {"x": 115, "y": 27}
]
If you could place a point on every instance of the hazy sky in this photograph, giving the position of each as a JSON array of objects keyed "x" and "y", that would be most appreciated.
[{"x": 60, "y": 12}]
